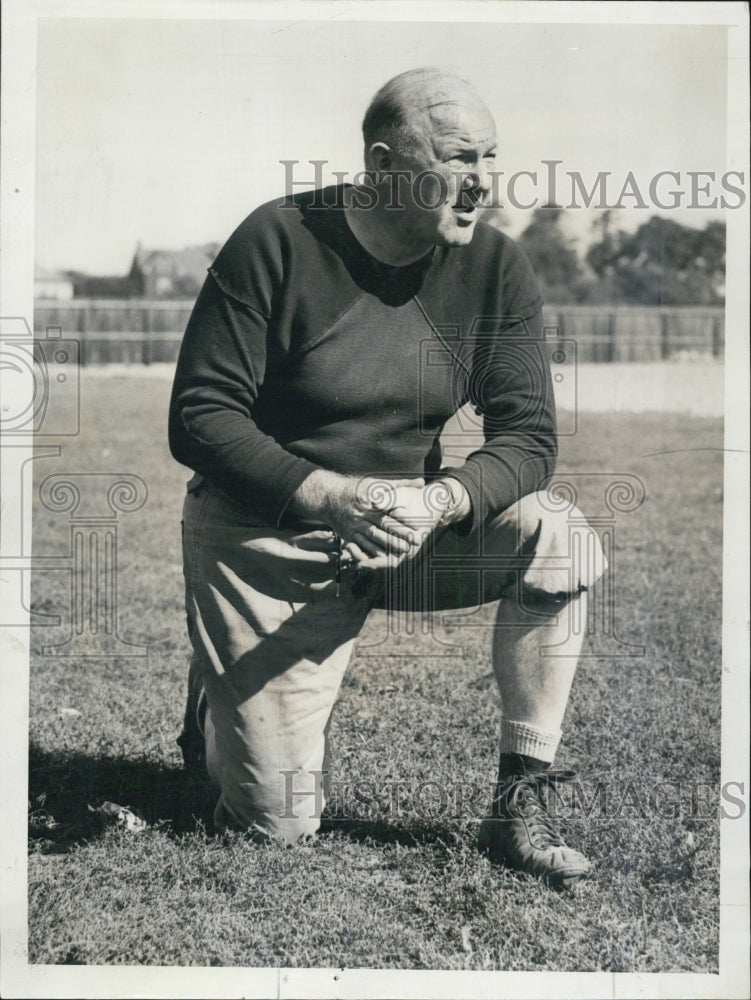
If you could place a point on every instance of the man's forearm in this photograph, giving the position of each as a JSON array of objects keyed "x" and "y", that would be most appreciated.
[{"x": 319, "y": 494}]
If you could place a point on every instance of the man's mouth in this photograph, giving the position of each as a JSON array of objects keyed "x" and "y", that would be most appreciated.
[
  {"x": 467, "y": 205},
  {"x": 467, "y": 211}
]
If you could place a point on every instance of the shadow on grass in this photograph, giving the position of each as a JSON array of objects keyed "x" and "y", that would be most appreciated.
[{"x": 63, "y": 786}]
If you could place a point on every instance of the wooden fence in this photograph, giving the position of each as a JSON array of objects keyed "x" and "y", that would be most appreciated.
[
  {"x": 129, "y": 331},
  {"x": 638, "y": 333},
  {"x": 135, "y": 331}
]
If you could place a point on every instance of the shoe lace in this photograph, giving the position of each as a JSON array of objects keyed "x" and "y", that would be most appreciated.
[{"x": 523, "y": 798}]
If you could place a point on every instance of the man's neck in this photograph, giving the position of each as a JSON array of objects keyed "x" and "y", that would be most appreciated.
[{"x": 381, "y": 235}]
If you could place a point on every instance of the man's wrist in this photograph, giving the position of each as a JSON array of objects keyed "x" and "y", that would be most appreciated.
[{"x": 459, "y": 506}]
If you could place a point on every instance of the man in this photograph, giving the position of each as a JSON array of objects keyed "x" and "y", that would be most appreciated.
[{"x": 310, "y": 407}]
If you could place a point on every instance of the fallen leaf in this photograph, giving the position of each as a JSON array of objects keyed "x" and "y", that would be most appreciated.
[{"x": 122, "y": 816}]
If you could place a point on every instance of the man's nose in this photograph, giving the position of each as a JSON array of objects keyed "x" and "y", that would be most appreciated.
[{"x": 477, "y": 179}]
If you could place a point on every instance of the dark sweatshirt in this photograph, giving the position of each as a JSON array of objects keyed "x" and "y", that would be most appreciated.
[{"x": 305, "y": 352}]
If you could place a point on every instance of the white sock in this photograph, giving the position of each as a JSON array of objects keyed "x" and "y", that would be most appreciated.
[{"x": 521, "y": 737}]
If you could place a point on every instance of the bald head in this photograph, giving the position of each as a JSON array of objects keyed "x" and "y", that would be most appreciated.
[
  {"x": 430, "y": 146},
  {"x": 404, "y": 110}
]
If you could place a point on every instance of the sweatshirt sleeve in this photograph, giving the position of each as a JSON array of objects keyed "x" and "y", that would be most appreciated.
[
  {"x": 220, "y": 369},
  {"x": 511, "y": 386}
]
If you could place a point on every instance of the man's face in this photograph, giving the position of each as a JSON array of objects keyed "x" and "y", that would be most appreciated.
[{"x": 456, "y": 143}]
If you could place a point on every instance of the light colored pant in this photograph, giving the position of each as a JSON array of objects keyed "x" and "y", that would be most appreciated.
[{"x": 273, "y": 633}]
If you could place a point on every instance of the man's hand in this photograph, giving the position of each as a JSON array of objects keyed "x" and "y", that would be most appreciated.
[
  {"x": 357, "y": 509},
  {"x": 424, "y": 509},
  {"x": 439, "y": 504},
  {"x": 381, "y": 522}
]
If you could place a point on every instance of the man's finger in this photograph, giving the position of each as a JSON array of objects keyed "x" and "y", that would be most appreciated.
[
  {"x": 420, "y": 521},
  {"x": 386, "y": 540},
  {"x": 366, "y": 545},
  {"x": 389, "y": 561},
  {"x": 354, "y": 550},
  {"x": 397, "y": 527},
  {"x": 314, "y": 542},
  {"x": 369, "y": 545},
  {"x": 376, "y": 563},
  {"x": 381, "y": 562}
]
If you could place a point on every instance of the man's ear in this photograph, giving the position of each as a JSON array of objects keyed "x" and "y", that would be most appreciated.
[{"x": 379, "y": 158}]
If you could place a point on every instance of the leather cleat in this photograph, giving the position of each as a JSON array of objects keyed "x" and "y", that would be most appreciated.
[{"x": 520, "y": 834}]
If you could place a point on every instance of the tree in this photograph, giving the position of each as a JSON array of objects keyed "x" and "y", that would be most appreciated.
[
  {"x": 552, "y": 255},
  {"x": 662, "y": 263}
]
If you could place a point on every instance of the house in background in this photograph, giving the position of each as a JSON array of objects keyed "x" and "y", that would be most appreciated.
[
  {"x": 52, "y": 285},
  {"x": 108, "y": 286},
  {"x": 170, "y": 274},
  {"x": 153, "y": 274}
]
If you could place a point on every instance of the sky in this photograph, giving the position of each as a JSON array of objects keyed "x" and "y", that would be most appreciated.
[{"x": 170, "y": 132}]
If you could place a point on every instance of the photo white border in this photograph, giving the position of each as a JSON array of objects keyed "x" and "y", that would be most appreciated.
[{"x": 17, "y": 978}]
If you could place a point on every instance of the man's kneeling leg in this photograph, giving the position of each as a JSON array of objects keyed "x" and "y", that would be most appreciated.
[
  {"x": 266, "y": 745},
  {"x": 268, "y": 796},
  {"x": 271, "y": 642}
]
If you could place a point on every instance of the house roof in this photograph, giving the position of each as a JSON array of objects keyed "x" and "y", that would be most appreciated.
[
  {"x": 192, "y": 261},
  {"x": 44, "y": 274}
]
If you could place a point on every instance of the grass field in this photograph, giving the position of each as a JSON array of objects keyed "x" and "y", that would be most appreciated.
[{"x": 394, "y": 881}]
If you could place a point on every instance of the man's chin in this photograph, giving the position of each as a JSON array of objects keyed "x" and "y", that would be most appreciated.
[{"x": 456, "y": 236}]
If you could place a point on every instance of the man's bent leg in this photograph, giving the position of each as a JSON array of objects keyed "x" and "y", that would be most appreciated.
[
  {"x": 272, "y": 640},
  {"x": 537, "y": 641},
  {"x": 539, "y": 560},
  {"x": 534, "y": 682},
  {"x": 541, "y": 620}
]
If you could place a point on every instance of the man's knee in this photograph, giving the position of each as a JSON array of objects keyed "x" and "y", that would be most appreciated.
[
  {"x": 260, "y": 794},
  {"x": 287, "y": 808},
  {"x": 562, "y": 554},
  {"x": 285, "y": 830}
]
